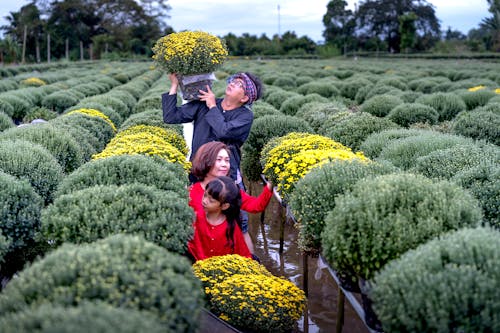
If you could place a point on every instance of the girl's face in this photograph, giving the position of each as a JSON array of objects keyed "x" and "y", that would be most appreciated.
[
  {"x": 221, "y": 165},
  {"x": 210, "y": 205}
]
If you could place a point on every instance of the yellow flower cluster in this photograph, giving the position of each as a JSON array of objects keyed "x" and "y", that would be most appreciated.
[
  {"x": 497, "y": 91},
  {"x": 144, "y": 143},
  {"x": 170, "y": 135},
  {"x": 276, "y": 154},
  {"x": 304, "y": 161},
  {"x": 33, "y": 82},
  {"x": 476, "y": 88},
  {"x": 189, "y": 52},
  {"x": 244, "y": 293},
  {"x": 95, "y": 113}
]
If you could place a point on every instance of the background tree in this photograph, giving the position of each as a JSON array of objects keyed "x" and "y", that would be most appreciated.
[
  {"x": 407, "y": 30},
  {"x": 380, "y": 18},
  {"x": 492, "y": 24},
  {"x": 339, "y": 25}
]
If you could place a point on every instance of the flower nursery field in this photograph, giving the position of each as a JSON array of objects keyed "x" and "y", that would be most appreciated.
[{"x": 390, "y": 168}]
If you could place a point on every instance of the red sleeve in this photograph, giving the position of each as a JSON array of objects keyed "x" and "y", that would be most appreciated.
[
  {"x": 195, "y": 197},
  {"x": 195, "y": 245},
  {"x": 256, "y": 204},
  {"x": 240, "y": 246}
]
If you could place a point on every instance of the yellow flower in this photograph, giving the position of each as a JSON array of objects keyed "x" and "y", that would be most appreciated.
[
  {"x": 476, "y": 88},
  {"x": 33, "y": 82},
  {"x": 189, "y": 52},
  {"x": 95, "y": 113},
  {"x": 497, "y": 91}
]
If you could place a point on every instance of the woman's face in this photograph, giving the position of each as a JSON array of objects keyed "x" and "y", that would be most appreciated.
[{"x": 221, "y": 165}]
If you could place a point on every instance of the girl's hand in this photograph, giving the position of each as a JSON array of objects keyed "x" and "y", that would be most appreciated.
[{"x": 208, "y": 97}]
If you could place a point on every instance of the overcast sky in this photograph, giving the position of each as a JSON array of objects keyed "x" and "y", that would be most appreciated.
[{"x": 304, "y": 17}]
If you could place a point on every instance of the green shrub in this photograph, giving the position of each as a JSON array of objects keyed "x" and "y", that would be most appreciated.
[
  {"x": 123, "y": 270},
  {"x": 62, "y": 146},
  {"x": 19, "y": 106},
  {"x": 59, "y": 101},
  {"x": 285, "y": 82},
  {"x": 101, "y": 131},
  {"x": 314, "y": 195},
  {"x": 448, "y": 105},
  {"x": 115, "y": 118},
  {"x": 426, "y": 84},
  {"x": 478, "y": 125},
  {"x": 277, "y": 97},
  {"x": 395, "y": 82},
  {"x": 19, "y": 212},
  {"x": 4, "y": 248},
  {"x": 409, "y": 96},
  {"x": 361, "y": 93},
  {"x": 375, "y": 142},
  {"x": 349, "y": 88},
  {"x": 474, "y": 99},
  {"x": 162, "y": 217},
  {"x": 8, "y": 84},
  {"x": 261, "y": 108},
  {"x": 39, "y": 113},
  {"x": 147, "y": 103},
  {"x": 332, "y": 119},
  {"x": 127, "y": 169},
  {"x": 490, "y": 107},
  {"x": 28, "y": 161},
  {"x": 483, "y": 181},
  {"x": 6, "y": 108},
  {"x": 124, "y": 96},
  {"x": 150, "y": 118},
  {"x": 112, "y": 102},
  {"x": 316, "y": 113},
  {"x": 84, "y": 318},
  {"x": 324, "y": 89},
  {"x": 404, "y": 152},
  {"x": 448, "y": 284},
  {"x": 5, "y": 122},
  {"x": 445, "y": 163},
  {"x": 380, "y": 105},
  {"x": 292, "y": 104},
  {"x": 263, "y": 130},
  {"x": 411, "y": 113},
  {"x": 353, "y": 130},
  {"x": 383, "y": 217},
  {"x": 382, "y": 90}
]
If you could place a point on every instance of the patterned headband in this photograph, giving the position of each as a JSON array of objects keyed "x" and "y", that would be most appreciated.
[{"x": 249, "y": 86}]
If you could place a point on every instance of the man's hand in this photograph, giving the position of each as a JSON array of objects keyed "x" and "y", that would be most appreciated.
[
  {"x": 208, "y": 97},
  {"x": 174, "y": 83}
]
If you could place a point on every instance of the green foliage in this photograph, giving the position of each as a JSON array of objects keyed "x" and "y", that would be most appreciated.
[
  {"x": 292, "y": 104},
  {"x": 123, "y": 271},
  {"x": 261, "y": 108},
  {"x": 375, "y": 142},
  {"x": 404, "y": 152},
  {"x": 314, "y": 195},
  {"x": 114, "y": 103},
  {"x": 448, "y": 105},
  {"x": 5, "y": 122},
  {"x": 60, "y": 100},
  {"x": 381, "y": 90},
  {"x": 286, "y": 82},
  {"x": 383, "y": 217},
  {"x": 84, "y": 318},
  {"x": 19, "y": 212},
  {"x": 115, "y": 118},
  {"x": 39, "y": 113},
  {"x": 6, "y": 108},
  {"x": 411, "y": 113},
  {"x": 316, "y": 113},
  {"x": 474, "y": 99},
  {"x": 483, "y": 181},
  {"x": 353, "y": 130},
  {"x": 127, "y": 169},
  {"x": 28, "y": 161},
  {"x": 62, "y": 146},
  {"x": 147, "y": 103},
  {"x": 445, "y": 163},
  {"x": 150, "y": 118},
  {"x": 124, "y": 96},
  {"x": 263, "y": 130},
  {"x": 162, "y": 217},
  {"x": 18, "y": 107},
  {"x": 277, "y": 97},
  {"x": 324, "y": 89},
  {"x": 381, "y": 105},
  {"x": 350, "y": 87},
  {"x": 478, "y": 125},
  {"x": 4, "y": 246},
  {"x": 448, "y": 284},
  {"x": 100, "y": 131}
]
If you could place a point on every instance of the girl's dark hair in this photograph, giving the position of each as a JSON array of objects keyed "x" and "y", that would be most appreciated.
[
  {"x": 205, "y": 157},
  {"x": 225, "y": 190}
]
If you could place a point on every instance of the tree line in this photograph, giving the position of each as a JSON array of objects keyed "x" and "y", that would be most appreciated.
[{"x": 92, "y": 29}]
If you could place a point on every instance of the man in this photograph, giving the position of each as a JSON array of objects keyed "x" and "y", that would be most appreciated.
[{"x": 227, "y": 119}]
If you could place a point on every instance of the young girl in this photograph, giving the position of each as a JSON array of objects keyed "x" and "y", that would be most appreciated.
[
  {"x": 216, "y": 230},
  {"x": 212, "y": 160}
]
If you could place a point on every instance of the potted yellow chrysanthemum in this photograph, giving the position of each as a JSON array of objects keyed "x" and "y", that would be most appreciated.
[{"x": 193, "y": 56}]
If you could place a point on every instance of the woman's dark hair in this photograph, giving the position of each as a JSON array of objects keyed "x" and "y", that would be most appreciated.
[
  {"x": 258, "y": 84},
  {"x": 225, "y": 190},
  {"x": 205, "y": 157}
]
